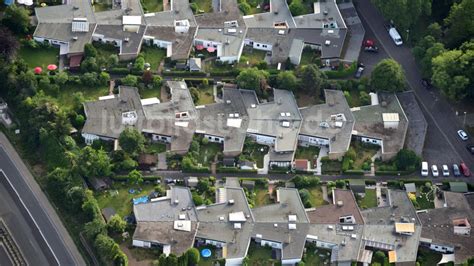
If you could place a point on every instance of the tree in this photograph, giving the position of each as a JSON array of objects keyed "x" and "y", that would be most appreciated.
[
  {"x": 311, "y": 79},
  {"x": 245, "y": 7},
  {"x": 135, "y": 177},
  {"x": 89, "y": 65},
  {"x": 104, "y": 78},
  {"x": 252, "y": 79},
  {"x": 139, "y": 64},
  {"x": 198, "y": 201},
  {"x": 132, "y": 141},
  {"x": 58, "y": 181},
  {"x": 130, "y": 80},
  {"x": 287, "y": 80},
  {"x": 452, "y": 72},
  {"x": 61, "y": 78},
  {"x": 92, "y": 163},
  {"x": 424, "y": 52},
  {"x": 75, "y": 197},
  {"x": 389, "y": 76},
  {"x": 116, "y": 224},
  {"x": 94, "y": 228},
  {"x": 379, "y": 255},
  {"x": 203, "y": 185},
  {"x": 9, "y": 44},
  {"x": 407, "y": 160},
  {"x": 157, "y": 80},
  {"x": 109, "y": 250},
  {"x": 113, "y": 60},
  {"x": 17, "y": 19},
  {"x": 147, "y": 77},
  {"x": 297, "y": 8},
  {"x": 404, "y": 13},
  {"x": 90, "y": 207},
  {"x": 460, "y": 23},
  {"x": 194, "y": 94},
  {"x": 193, "y": 256},
  {"x": 89, "y": 50}
]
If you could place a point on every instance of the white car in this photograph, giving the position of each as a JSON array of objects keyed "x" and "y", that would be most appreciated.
[
  {"x": 463, "y": 135},
  {"x": 445, "y": 170},
  {"x": 434, "y": 170},
  {"x": 424, "y": 169}
]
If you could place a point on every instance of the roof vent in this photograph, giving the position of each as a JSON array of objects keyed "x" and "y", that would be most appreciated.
[
  {"x": 330, "y": 227},
  {"x": 74, "y": 38},
  {"x": 228, "y": 101},
  {"x": 126, "y": 39},
  {"x": 219, "y": 30},
  {"x": 340, "y": 203},
  {"x": 353, "y": 236},
  {"x": 237, "y": 226},
  {"x": 231, "y": 202},
  {"x": 221, "y": 218},
  {"x": 75, "y": 7},
  {"x": 327, "y": 42},
  {"x": 325, "y": 12},
  {"x": 275, "y": 225},
  {"x": 176, "y": 201}
]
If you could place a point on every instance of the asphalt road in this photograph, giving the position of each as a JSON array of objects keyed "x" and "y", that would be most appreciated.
[
  {"x": 43, "y": 222},
  {"x": 442, "y": 146}
]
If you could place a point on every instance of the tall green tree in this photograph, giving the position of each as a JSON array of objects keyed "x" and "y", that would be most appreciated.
[
  {"x": 117, "y": 224},
  {"x": 404, "y": 13},
  {"x": 9, "y": 44},
  {"x": 135, "y": 177},
  {"x": 287, "y": 80},
  {"x": 460, "y": 23},
  {"x": 132, "y": 141},
  {"x": 388, "y": 76},
  {"x": 312, "y": 79},
  {"x": 453, "y": 72},
  {"x": 92, "y": 163},
  {"x": 193, "y": 256},
  {"x": 252, "y": 79},
  {"x": 407, "y": 160},
  {"x": 17, "y": 18}
]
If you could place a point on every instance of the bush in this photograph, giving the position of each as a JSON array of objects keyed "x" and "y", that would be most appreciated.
[
  {"x": 130, "y": 80},
  {"x": 198, "y": 201},
  {"x": 305, "y": 181},
  {"x": 119, "y": 71},
  {"x": 245, "y": 8},
  {"x": 342, "y": 72}
]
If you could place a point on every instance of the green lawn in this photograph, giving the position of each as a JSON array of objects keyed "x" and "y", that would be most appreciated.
[
  {"x": 427, "y": 257},
  {"x": 104, "y": 51},
  {"x": 253, "y": 56},
  {"x": 364, "y": 152},
  {"x": 208, "y": 152},
  {"x": 370, "y": 199},
  {"x": 155, "y": 147},
  {"x": 64, "y": 97},
  {"x": 259, "y": 256},
  {"x": 425, "y": 199},
  {"x": 316, "y": 198},
  {"x": 304, "y": 98},
  {"x": 254, "y": 152},
  {"x": 206, "y": 95},
  {"x": 121, "y": 201},
  {"x": 150, "y": 93},
  {"x": 316, "y": 256},
  {"x": 310, "y": 56},
  {"x": 41, "y": 56},
  {"x": 208, "y": 261},
  {"x": 308, "y": 153},
  {"x": 205, "y": 6},
  {"x": 331, "y": 167},
  {"x": 262, "y": 196},
  {"x": 152, "y": 6},
  {"x": 154, "y": 56},
  {"x": 99, "y": 7}
]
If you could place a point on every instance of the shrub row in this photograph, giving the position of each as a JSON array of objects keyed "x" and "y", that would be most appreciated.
[
  {"x": 122, "y": 178},
  {"x": 334, "y": 74},
  {"x": 234, "y": 170},
  {"x": 354, "y": 172},
  {"x": 183, "y": 74}
]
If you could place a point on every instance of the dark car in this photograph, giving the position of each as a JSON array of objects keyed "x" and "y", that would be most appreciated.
[
  {"x": 427, "y": 84},
  {"x": 470, "y": 148},
  {"x": 358, "y": 74},
  {"x": 465, "y": 170},
  {"x": 456, "y": 171},
  {"x": 371, "y": 49}
]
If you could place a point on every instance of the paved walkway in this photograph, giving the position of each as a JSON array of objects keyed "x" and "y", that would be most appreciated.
[
  {"x": 372, "y": 164},
  {"x": 324, "y": 189},
  {"x": 323, "y": 151},
  {"x": 111, "y": 87},
  {"x": 266, "y": 162},
  {"x": 162, "y": 163}
]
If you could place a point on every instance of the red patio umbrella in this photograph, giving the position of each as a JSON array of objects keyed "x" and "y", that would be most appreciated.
[
  {"x": 199, "y": 47},
  {"x": 211, "y": 49},
  {"x": 38, "y": 70},
  {"x": 52, "y": 67}
]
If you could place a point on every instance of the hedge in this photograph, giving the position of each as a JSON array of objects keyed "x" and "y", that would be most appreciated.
[
  {"x": 199, "y": 80},
  {"x": 221, "y": 73},
  {"x": 394, "y": 173},
  {"x": 183, "y": 73},
  {"x": 123, "y": 178},
  {"x": 354, "y": 172},
  {"x": 196, "y": 170},
  {"x": 119, "y": 71},
  {"x": 234, "y": 170}
]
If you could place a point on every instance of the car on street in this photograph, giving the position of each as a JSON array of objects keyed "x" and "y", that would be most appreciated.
[
  {"x": 465, "y": 170},
  {"x": 427, "y": 84},
  {"x": 470, "y": 148},
  {"x": 445, "y": 170},
  {"x": 456, "y": 171},
  {"x": 359, "y": 72},
  {"x": 424, "y": 169},
  {"x": 434, "y": 170},
  {"x": 463, "y": 135},
  {"x": 371, "y": 49}
]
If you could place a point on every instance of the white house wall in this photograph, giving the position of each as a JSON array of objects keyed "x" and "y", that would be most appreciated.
[
  {"x": 234, "y": 262},
  {"x": 441, "y": 248},
  {"x": 290, "y": 261},
  {"x": 372, "y": 141},
  {"x": 272, "y": 244},
  {"x": 264, "y": 140},
  {"x": 313, "y": 141},
  {"x": 162, "y": 138},
  {"x": 259, "y": 45},
  {"x": 141, "y": 244},
  {"x": 214, "y": 139}
]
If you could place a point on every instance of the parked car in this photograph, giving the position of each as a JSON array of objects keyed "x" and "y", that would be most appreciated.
[
  {"x": 463, "y": 135},
  {"x": 434, "y": 170},
  {"x": 371, "y": 49},
  {"x": 427, "y": 84},
  {"x": 470, "y": 148},
  {"x": 358, "y": 74},
  {"x": 445, "y": 170},
  {"x": 465, "y": 170},
  {"x": 424, "y": 169},
  {"x": 456, "y": 171}
]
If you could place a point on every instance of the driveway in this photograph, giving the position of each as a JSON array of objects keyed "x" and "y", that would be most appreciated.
[{"x": 442, "y": 144}]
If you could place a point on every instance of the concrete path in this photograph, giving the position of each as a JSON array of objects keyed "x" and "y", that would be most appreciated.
[
  {"x": 162, "y": 163},
  {"x": 372, "y": 164},
  {"x": 266, "y": 162},
  {"x": 323, "y": 151},
  {"x": 324, "y": 189},
  {"x": 111, "y": 87}
]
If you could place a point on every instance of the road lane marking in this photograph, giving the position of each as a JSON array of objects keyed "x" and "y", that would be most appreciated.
[{"x": 31, "y": 216}]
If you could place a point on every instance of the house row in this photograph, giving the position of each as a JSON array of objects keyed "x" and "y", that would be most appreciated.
[
  {"x": 278, "y": 123},
  {"x": 224, "y": 31},
  {"x": 174, "y": 224}
]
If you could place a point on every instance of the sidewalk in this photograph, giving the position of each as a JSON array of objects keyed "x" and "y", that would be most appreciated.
[{"x": 323, "y": 151}]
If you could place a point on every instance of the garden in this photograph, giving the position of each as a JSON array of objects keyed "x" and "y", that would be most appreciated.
[
  {"x": 253, "y": 152},
  {"x": 316, "y": 256},
  {"x": 309, "y": 153},
  {"x": 259, "y": 256},
  {"x": 152, "y": 6},
  {"x": 424, "y": 198},
  {"x": 153, "y": 56},
  {"x": 251, "y": 57},
  {"x": 41, "y": 55},
  {"x": 329, "y": 166},
  {"x": 310, "y": 56},
  {"x": 359, "y": 156},
  {"x": 201, "y": 6},
  {"x": 369, "y": 200},
  {"x": 310, "y": 190}
]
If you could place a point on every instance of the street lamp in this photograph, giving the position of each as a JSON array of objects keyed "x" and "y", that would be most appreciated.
[
  {"x": 464, "y": 122},
  {"x": 408, "y": 34}
]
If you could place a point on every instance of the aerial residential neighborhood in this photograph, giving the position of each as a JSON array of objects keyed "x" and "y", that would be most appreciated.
[{"x": 236, "y": 132}]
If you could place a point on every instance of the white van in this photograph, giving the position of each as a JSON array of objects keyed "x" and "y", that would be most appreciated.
[
  {"x": 395, "y": 36},
  {"x": 424, "y": 169}
]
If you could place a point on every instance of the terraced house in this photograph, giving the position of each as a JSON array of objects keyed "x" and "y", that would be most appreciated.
[{"x": 224, "y": 30}]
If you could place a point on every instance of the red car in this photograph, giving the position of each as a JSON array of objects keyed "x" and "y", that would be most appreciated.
[
  {"x": 465, "y": 170},
  {"x": 369, "y": 43}
]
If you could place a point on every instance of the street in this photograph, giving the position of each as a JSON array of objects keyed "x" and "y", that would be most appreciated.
[
  {"x": 37, "y": 217},
  {"x": 442, "y": 145}
]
